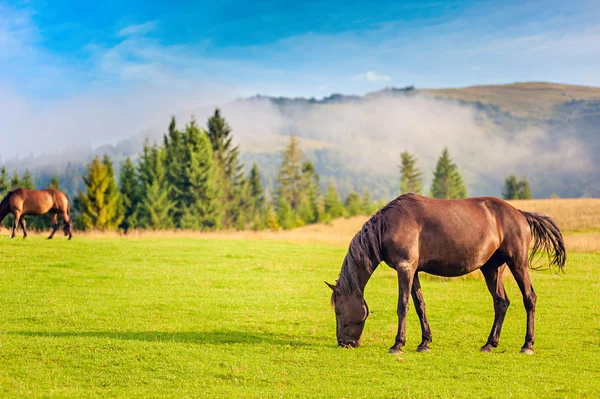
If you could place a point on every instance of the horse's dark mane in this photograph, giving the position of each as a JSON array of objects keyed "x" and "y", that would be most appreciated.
[{"x": 365, "y": 248}]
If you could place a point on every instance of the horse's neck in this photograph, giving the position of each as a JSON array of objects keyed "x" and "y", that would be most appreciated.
[{"x": 363, "y": 273}]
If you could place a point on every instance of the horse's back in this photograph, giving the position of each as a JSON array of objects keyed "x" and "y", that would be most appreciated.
[
  {"x": 448, "y": 237},
  {"x": 38, "y": 202}
]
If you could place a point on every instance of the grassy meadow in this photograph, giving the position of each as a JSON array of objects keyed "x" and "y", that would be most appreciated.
[{"x": 248, "y": 315}]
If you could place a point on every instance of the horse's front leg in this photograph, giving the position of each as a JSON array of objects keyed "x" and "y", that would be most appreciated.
[{"x": 405, "y": 279}]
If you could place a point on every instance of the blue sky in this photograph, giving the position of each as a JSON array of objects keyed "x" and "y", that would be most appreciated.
[{"x": 61, "y": 55}]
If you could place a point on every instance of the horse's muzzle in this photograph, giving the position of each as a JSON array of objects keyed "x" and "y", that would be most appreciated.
[{"x": 349, "y": 344}]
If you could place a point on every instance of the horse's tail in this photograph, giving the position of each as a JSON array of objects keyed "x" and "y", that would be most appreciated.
[{"x": 547, "y": 237}]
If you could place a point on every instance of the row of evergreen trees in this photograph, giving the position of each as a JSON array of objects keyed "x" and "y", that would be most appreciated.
[
  {"x": 194, "y": 179},
  {"x": 447, "y": 182}
]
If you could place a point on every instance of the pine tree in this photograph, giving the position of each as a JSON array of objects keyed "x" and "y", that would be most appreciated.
[
  {"x": 524, "y": 189},
  {"x": 285, "y": 214},
  {"x": 229, "y": 170},
  {"x": 155, "y": 205},
  {"x": 447, "y": 182},
  {"x": 256, "y": 193},
  {"x": 176, "y": 163},
  {"x": 114, "y": 204},
  {"x": 94, "y": 204},
  {"x": 201, "y": 177},
  {"x": 26, "y": 181},
  {"x": 368, "y": 205},
  {"x": 308, "y": 209},
  {"x": 129, "y": 188},
  {"x": 15, "y": 181},
  {"x": 333, "y": 205},
  {"x": 4, "y": 184},
  {"x": 54, "y": 183},
  {"x": 271, "y": 218},
  {"x": 353, "y": 204},
  {"x": 410, "y": 176},
  {"x": 290, "y": 180},
  {"x": 511, "y": 188}
]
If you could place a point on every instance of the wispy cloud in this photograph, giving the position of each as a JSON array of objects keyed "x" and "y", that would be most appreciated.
[
  {"x": 136, "y": 30},
  {"x": 372, "y": 76}
]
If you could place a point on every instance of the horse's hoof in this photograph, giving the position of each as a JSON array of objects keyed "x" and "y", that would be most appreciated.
[
  {"x": 527, "y": 351},
  {"x": 485, "y": 349},
  {"x": 423, "y": 349},
  {"x": 395, "y": 351}
]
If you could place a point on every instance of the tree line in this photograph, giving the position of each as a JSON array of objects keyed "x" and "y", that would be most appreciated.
[
  {"x": 194, "y": 179},
  {"x": 447, "y": 182}
]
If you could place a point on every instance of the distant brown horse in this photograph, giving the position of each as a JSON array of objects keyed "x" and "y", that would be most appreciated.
[
  {"x": 21, "y": 202},
  {"x": 446, "y": 238}
]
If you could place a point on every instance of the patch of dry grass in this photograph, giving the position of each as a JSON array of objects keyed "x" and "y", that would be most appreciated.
[
  {"x": 579, "y": 220},
  {"x": 577, "y": 214},
  {"x": 529, "y": 99}
]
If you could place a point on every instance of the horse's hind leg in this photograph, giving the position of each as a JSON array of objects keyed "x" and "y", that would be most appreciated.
[
  {"x": 67, "y": 219},
  {"x": 493, "y": 279},
  {"x": 54, "y": 225},
  {"x": 417, "y": 296},
  {"x": 23, "y": 225},
  {"x": 518, "y": 267},
  {"x": 16, "y": 218}
]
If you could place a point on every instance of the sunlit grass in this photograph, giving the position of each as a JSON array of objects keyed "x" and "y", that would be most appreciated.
[{"x": 185, "y": 317}]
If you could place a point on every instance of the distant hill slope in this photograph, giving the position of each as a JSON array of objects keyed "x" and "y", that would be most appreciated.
[
  {"x": 536, "y": 100},
  {"x": 546, "y": 131}
]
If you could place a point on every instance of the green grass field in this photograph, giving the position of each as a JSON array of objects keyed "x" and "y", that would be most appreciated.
[{"x": 110, "y": 317}]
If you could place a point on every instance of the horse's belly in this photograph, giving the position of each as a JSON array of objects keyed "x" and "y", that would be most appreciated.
[{"x": 445, "y": 269}]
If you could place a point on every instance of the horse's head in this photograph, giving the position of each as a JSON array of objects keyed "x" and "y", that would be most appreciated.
[{"x": 351, "y": 312}]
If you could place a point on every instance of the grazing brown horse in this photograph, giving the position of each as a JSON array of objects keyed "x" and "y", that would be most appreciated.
[
  {"x": 446, "y": 238},
  {"x": 21, "y": 202}
]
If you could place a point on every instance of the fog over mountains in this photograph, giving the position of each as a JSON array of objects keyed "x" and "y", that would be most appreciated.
[{"x": 547, "y": 132}]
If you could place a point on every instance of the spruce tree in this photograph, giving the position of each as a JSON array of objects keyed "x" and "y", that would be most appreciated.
[
  {"x": 271, "y": 218},
  {"x": 92, "y": 204},
  {"x": 200, "y": 176},
  {"x": 290, "y": 179},
  {"x": 129, "y": 188},
  {"x": 54, "y": 183},
  {"x": 26, "y": 181},
  {"x": 511, "y": 188},
  {"x": 447, "y": 182},
  {"x": 353, "y": 204},
  {"x": 285, "y": 214},
  {"x": 368, "y": 206},
  {"x": 308, "y": 209},
  {"x": 333, "y": 205},
  {"x": 410, "y": 176},
  {"x": 15, "y": 181},
  {"x": 155, "y": 205},
  {"x": 114, "y": 205},
  {"x": 4, "y": 184},
  {"x": 176, "y": 163},
  {"x": 256, "y": 193},
  {"x": 229, "y": 170}
]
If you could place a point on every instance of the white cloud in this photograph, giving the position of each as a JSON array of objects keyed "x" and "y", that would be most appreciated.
[
  {"x": 140, "y": 29},
  {"x": 372, "y": 76}
]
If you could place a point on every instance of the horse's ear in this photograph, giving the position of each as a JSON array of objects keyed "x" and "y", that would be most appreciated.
[{"x": 330, "y": 286}]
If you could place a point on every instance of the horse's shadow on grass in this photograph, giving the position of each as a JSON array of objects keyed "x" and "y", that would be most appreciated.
[{"x": 202, "y": 338}]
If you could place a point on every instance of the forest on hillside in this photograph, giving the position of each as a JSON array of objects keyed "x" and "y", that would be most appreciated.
[{"x": 194, "y": 179}]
